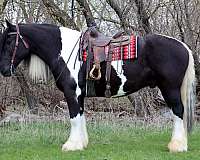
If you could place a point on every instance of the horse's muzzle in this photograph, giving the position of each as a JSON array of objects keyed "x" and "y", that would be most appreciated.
[{"x": 7, "y": 71}]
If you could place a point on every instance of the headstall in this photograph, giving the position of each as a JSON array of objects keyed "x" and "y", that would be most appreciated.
[{"x": 18, "y": 35}]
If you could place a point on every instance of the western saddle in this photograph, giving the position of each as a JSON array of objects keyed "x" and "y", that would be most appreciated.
[{"x": 100, "y": 48}]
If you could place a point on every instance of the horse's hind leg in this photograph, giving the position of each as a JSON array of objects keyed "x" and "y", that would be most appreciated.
[{"x": 178, "y": 141}]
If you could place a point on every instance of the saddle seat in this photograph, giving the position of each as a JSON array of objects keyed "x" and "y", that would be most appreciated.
[{"x": 100, "y": 40}]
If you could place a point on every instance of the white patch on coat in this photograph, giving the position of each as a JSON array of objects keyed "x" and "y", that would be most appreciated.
[
  {"x": 117, "y": 65},
  {"x": 78, "y": 138},
  {"x": 69, "y": 38}
]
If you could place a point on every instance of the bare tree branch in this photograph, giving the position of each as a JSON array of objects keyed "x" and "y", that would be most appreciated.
[
  {"x": 113, "y": 4},
  {"x": 3, "y": 6},
  {"x": 59, "y": 15}
]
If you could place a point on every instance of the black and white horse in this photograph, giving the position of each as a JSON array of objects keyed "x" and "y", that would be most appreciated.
[{"x": 162, "y": 61}]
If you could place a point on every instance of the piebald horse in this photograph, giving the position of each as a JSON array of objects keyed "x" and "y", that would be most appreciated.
[{"x": 162, "y": 61}]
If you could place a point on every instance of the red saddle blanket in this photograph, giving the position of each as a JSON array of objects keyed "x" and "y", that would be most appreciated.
[{"x": 124, "y": 52}]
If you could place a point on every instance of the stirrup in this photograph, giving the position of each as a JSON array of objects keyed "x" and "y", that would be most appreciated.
[{"x": 95, "y": 66}]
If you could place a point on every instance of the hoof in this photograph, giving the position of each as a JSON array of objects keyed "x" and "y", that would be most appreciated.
[
  {"x": 73, "y": 146},
  {"x": 177, "y": 146}
]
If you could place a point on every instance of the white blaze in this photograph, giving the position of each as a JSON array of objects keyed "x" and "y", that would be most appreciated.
[{"x": 69, "y": 39}]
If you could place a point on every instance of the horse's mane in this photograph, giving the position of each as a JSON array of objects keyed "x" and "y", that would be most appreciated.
[{"x": 39, "y": 72}]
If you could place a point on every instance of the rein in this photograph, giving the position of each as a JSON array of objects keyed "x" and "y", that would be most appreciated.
[{"x": 18, "y": 35}]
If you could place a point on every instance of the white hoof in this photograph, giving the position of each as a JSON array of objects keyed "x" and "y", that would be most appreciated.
[
  {"x": 73, "y": 146},
  {"x": 177, "y": 146},
  {"x": 78, "y": 139}
]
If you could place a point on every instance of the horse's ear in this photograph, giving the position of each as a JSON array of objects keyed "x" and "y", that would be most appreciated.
[{"x": 9, "y": 25}]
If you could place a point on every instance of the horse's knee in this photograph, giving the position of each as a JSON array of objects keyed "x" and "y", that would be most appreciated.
[{"x": 72, "y": 101}]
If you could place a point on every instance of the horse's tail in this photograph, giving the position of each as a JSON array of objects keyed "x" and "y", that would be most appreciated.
[
  {"x": 188, "y": 93},
  {"x": 38, "y": 70}
]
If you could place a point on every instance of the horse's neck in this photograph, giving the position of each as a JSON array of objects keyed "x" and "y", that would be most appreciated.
[
  {"x": 66, "y": 43},
  {"x": 51, "y": 54}
]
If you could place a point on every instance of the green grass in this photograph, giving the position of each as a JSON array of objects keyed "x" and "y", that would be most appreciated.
[{"x": 42, "y": 141}]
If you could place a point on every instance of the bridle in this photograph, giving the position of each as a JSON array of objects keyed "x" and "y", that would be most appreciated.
[{"x": 18, "y": 35}]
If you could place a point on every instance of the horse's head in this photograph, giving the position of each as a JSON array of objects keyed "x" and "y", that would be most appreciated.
[{"x": 14, "y": 49}]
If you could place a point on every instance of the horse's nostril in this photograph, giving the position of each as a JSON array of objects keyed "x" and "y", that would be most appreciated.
[{"x": 5, "y": 71}]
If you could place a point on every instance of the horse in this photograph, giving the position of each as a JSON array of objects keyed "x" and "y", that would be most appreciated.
[{"x": 162, "y": 62}]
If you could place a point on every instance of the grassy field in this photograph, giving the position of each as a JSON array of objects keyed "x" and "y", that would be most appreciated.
[{"x": 42, "y": 141}]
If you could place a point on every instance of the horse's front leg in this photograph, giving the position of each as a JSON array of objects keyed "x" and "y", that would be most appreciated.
[{"x": 78, "y": 138}]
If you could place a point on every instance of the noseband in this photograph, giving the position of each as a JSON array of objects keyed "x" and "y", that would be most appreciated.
[{"x": 18, "y": 35}]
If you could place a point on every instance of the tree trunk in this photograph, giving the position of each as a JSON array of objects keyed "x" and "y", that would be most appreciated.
[
  {"x": 143, "y": 18},
  {"x": 31, "y": 100},
  {"x": 87, "y": 12}
]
